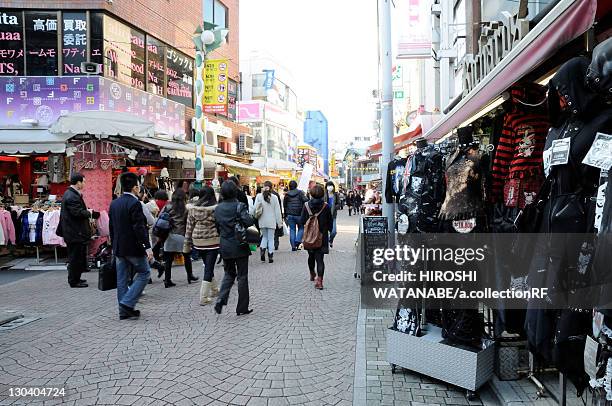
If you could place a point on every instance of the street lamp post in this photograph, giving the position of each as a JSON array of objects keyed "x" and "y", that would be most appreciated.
[{"x": 205, "y": 40}]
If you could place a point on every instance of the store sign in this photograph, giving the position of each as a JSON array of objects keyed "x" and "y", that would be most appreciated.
[
  {"x": 11, "y": 43},
  {"x": 179, "y": 72},
  {"x": 94, "y": 163},
  {"x": 168, "y": 116},
  {"x": 250, "y": 112},
  {"x": 497, "y": 40},
  {"x": 124, "y": 53},
  {"x": 232, "y": 96},
  {"x": 215, "y": 86},
  {"x": 74, "y": 39},
  {"x": 219, "y": 129},
  {"x": 41, "y": 45},
  {"x": 155, "y": 61},
  {"x": 45, "y": 98}
]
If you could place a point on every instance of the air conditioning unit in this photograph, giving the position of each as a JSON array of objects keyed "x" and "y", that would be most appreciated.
[
  {"x": 245, "y": 143},
  {"x": 233, "y": 148},
  {"x": 211, "y": 139}
]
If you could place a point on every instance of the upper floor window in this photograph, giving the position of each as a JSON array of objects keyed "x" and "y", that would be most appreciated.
[{"x": 215, "y": 12}]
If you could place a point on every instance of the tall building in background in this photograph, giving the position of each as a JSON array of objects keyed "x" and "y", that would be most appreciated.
[
  {"x": 316, "y": 134},
  {"x": 269, "y": 106}
]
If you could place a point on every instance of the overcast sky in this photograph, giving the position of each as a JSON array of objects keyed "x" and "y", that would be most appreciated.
[{"x": 330, "y": 46}]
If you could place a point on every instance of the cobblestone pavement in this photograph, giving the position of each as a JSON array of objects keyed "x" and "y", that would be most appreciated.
[{"x": 298, "y": 347}]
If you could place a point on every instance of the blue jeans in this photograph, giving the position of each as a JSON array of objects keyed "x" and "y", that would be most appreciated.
[
  {"x": 129, "y": 296},
  {"x": 294, "y": 222},
  {"x": 267, "y": 239},
  {"x": 332, "y": 233},
  {"x": 210, "y": 258}
]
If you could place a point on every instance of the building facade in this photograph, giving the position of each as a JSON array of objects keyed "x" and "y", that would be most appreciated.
[
  {"x": 145, "y": 55},
  {"x": 316, "y": 134}
]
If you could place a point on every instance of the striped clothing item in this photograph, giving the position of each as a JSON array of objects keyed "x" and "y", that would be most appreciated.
[{"x": 519, "y": 150}]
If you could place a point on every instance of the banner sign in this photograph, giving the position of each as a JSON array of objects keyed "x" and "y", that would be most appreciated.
[
  {"x": 215, "y": 86},
  {"x": 305, "y": 177},
  {"x": 269, "y": 81}
]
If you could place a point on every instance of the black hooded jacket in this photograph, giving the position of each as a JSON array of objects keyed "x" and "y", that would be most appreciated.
[
  {"x": 294, "y": 202},
  {"x": 584, "y": 116}
]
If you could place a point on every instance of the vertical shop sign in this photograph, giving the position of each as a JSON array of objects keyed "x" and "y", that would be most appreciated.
[
  {"x": 179, "y": 74},
  {"x": 232, "y": 96},
  {"x": 155, "y": 73},
  {"x": 11, "y": 43},
  {"x": 96, "y": 40},
  {"x": 41, "y": 45},
  {"x": 137, "y": 40},
  {"x": 74, "y": 40},
  {"x": 215, "y": 86}
]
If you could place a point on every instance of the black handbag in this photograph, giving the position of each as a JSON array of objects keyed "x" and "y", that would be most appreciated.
[
  {"x": 245, "y": 235},
  {"x": 107, "y": 276}
]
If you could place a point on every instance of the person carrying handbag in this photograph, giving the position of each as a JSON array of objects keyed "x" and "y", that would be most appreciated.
[
  {"x": 176, "y": 238},
  {"x": 232, "y": 218},
  {"x": 202, "y": 234},
  {"x": 269, "y": 216}
]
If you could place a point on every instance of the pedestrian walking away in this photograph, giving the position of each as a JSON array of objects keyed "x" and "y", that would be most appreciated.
[
  {"x": 350, "y": 201},
  {"x": 235, "y": 254},
  {"x": 333, "y": 201},
  {"x": 317, "y": 209},
  {"x": 175, "y": 243},
  {"x": 202, "y": 234},
  {"x": 74, "y": 226},
  {"x": 131, "y": 246},
  {"x": 294, "y": 203},
  {"x": 160, "y": 199},
  {"x": 279, "y": 232},
  {"x": 268, "y": 213}
]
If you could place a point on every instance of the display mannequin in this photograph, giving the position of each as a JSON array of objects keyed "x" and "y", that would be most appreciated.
[
  {"x": 423, "y": 188},
  {"x": 577, "y": 114},
  {"x": 464, "y": 187}
]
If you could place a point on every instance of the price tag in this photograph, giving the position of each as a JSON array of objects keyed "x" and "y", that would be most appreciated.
[
  {"x": 546, "y": 156},
  {"x": 464, "y": 226},
  {"x": 560, "y": 151},
  {"x": 591, "y": 348},
  {"x": 403, "y": 224},
  {"x": 600, "y": 153}
]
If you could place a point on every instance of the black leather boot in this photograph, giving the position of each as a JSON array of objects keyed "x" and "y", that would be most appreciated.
[{"x": 263, "y": 255}]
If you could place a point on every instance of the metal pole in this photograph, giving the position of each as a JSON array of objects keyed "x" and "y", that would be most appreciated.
[{"x": 384, "y": 11}]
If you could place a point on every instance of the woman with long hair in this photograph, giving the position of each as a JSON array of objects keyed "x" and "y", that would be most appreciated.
[
  {"x": 268, "y": 214},
  {"x": 201, "y": 234},
  {"x": 318, "y": 206},
  {"x": 234, "y": 253},
  {"x": 175, "y": 242}
]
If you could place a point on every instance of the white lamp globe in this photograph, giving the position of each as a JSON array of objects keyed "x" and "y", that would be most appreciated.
[{"x": 207, "y": 37}]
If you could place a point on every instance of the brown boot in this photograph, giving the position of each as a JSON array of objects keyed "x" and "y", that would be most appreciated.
[
  {"x": 312, "y": 275},
  {"x": 319, "y": 283}
]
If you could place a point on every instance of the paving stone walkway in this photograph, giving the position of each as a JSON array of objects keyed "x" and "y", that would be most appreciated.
[{"x": 298, "y": 347}]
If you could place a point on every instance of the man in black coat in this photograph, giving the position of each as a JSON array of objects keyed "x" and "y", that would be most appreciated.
[
  {"x": 131, "y": 245},
  {"x": 293, "y": 205},
  {"x": 74, "y": 227}
]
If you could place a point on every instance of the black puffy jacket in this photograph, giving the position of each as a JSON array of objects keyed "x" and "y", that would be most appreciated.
[
  {"x": 294, "y": 202},
  {"x": 226, "y": 215}
]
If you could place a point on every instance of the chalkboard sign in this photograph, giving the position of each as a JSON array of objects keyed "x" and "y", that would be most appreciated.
[
  {"x": 374, "y": 235},
  {"x": 375, "y": 225}
]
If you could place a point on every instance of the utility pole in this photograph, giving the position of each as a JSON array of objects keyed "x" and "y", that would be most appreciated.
[{"x": 384, "y": 37}]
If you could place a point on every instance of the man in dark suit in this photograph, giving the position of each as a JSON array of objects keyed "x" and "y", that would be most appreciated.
[
  {"x": 74, "y": 227},
  {"x": 131, "y": 246}
]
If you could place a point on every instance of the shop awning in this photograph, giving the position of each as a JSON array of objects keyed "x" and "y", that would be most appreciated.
[
  {"x": 172, "y": 149},
  {"x": 565, "y": 22},
  {"x": 31, "y": 141},
  {"x": 233, "y": 166},
  {"x": 104, "y": 123},
  {"x": 399, "y": 141}
]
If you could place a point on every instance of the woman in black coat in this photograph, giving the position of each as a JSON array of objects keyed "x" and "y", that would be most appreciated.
[
  {"x": 317, "y": 204},
  {"x": 235, "y": 255}
]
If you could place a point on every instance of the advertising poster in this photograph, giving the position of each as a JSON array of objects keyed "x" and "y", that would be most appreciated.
[{"x": 215, "y": 86}]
